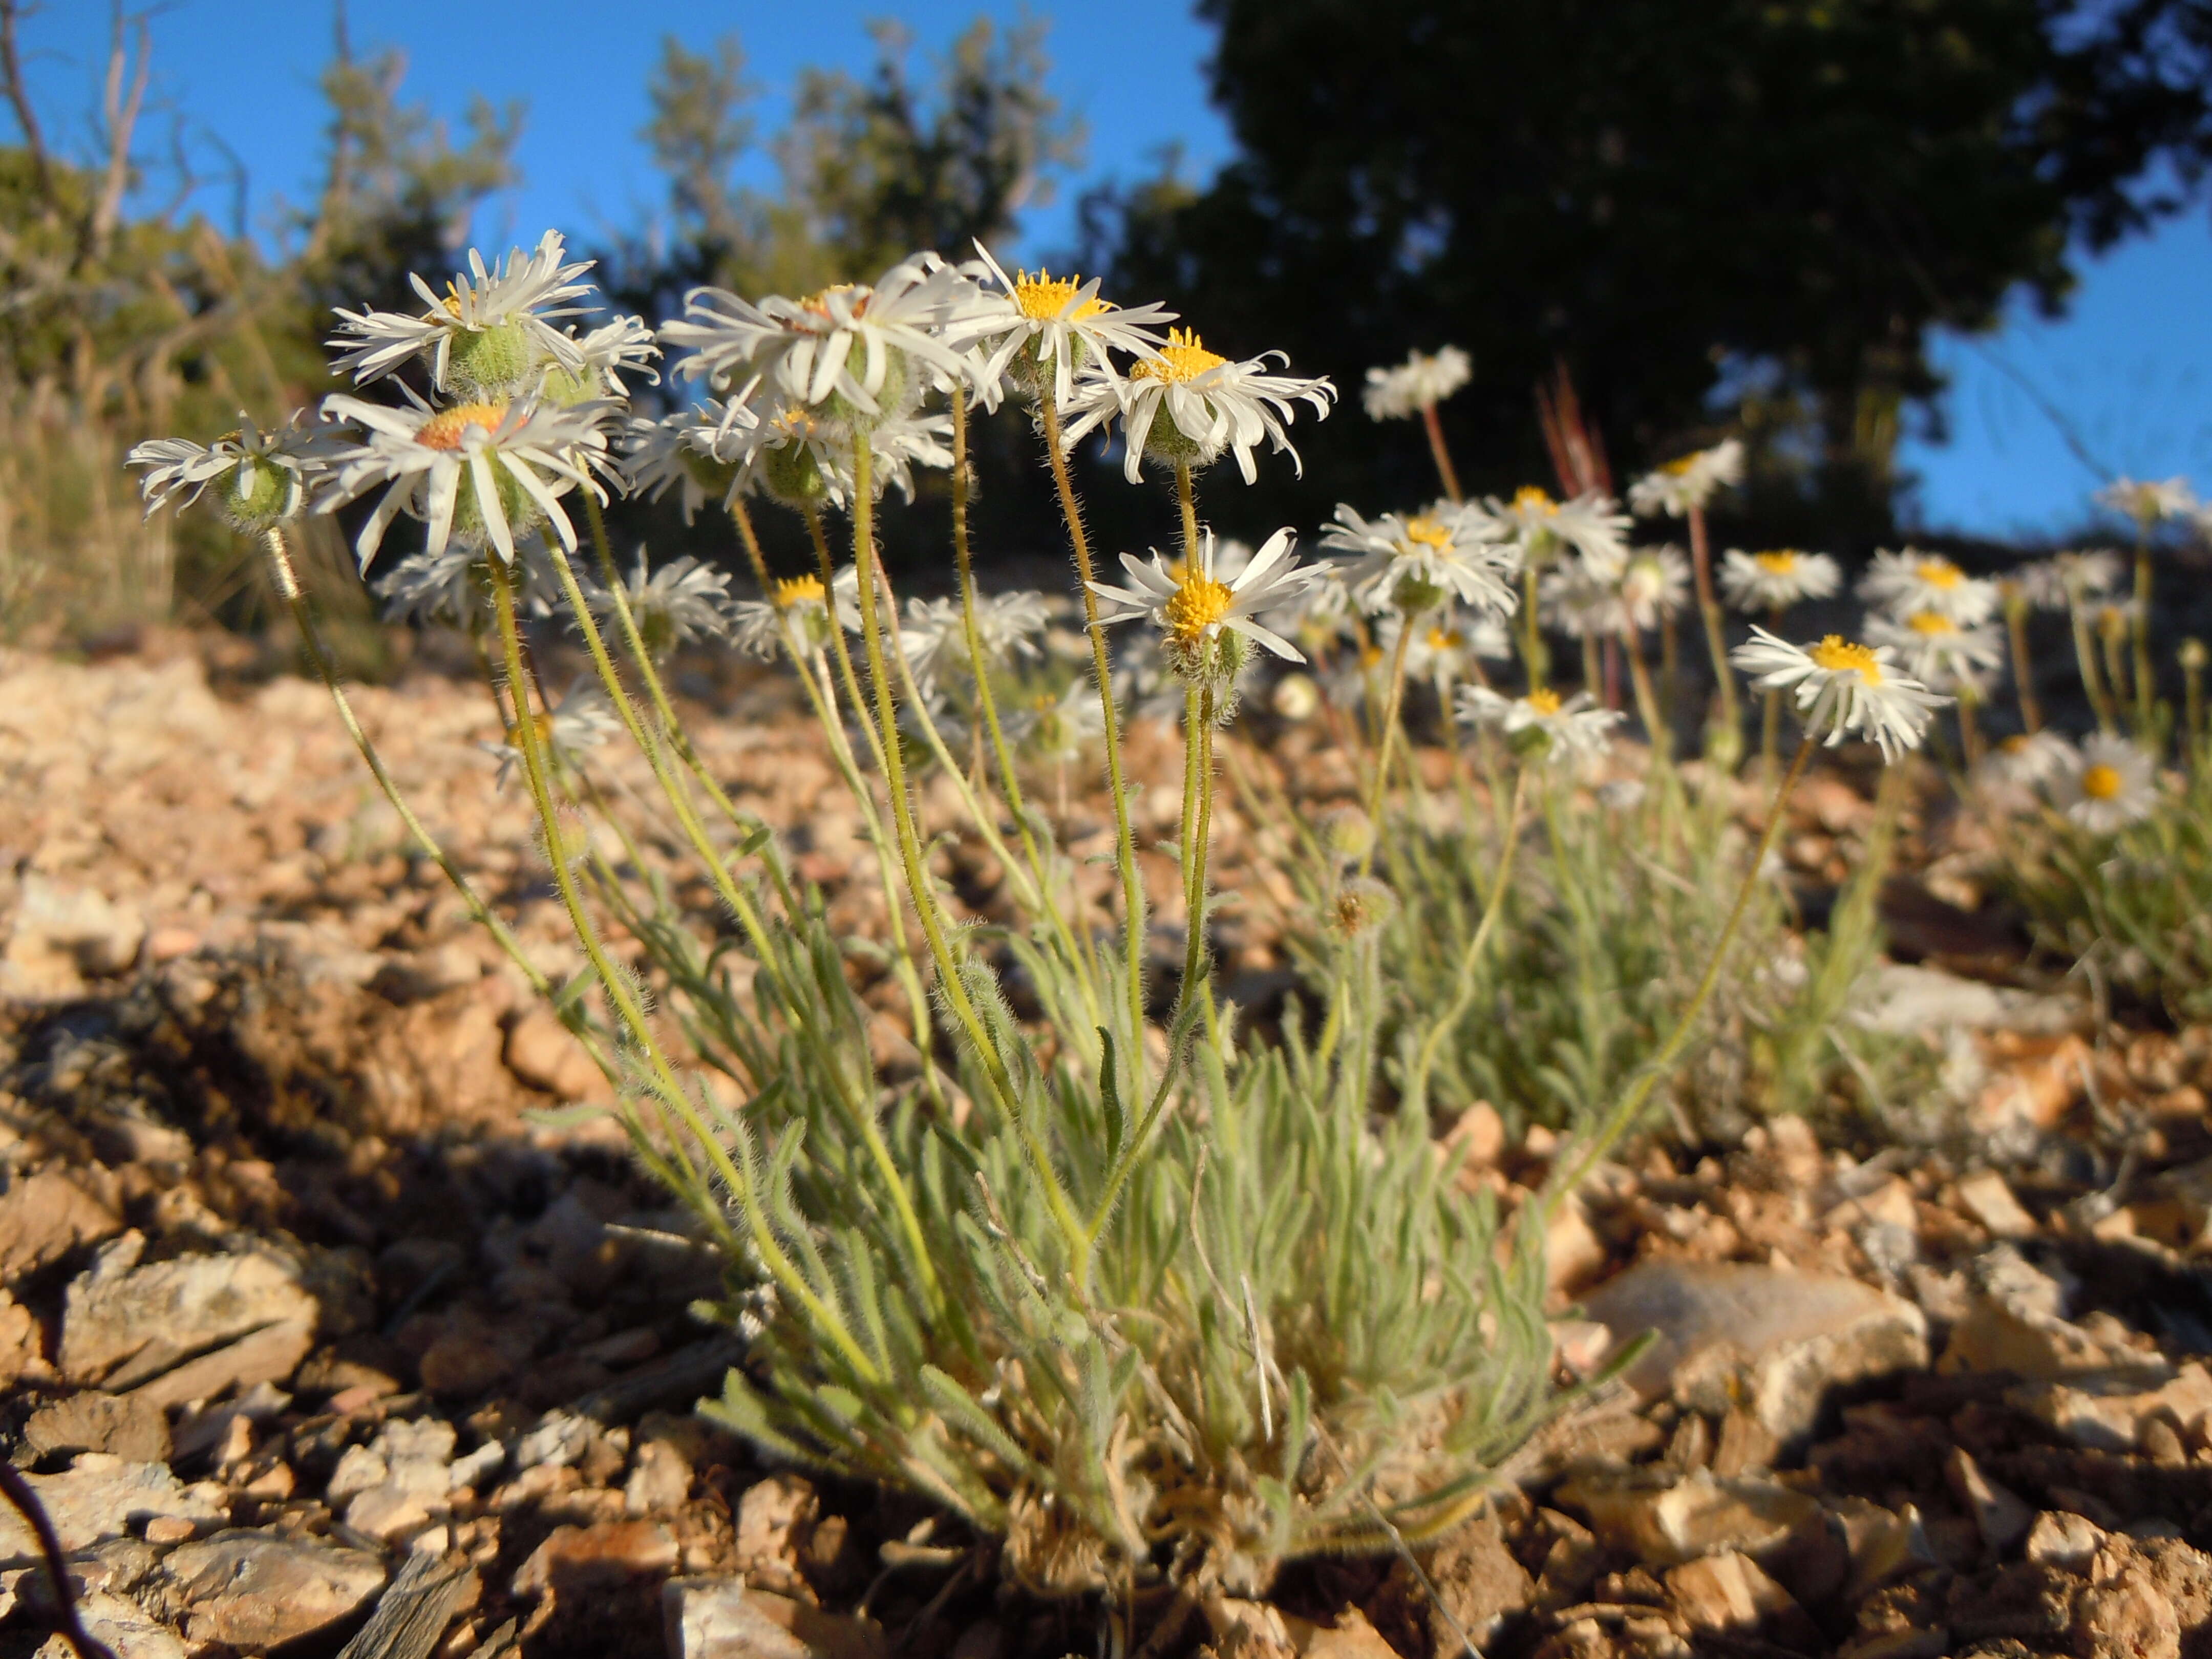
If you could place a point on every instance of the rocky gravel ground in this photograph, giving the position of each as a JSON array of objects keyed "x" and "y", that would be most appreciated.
[{"x": 320, "y": 1334}]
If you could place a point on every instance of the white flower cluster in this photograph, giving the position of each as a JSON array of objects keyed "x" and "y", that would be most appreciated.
[{"x": 1936, "y": 619}]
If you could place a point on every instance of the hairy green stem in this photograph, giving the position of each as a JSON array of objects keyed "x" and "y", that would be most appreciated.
[
  {"x": 1709, "y": 607},
  {"x": 1417, "y": 1086},
  {"x": 1125, "y": 844},
  {"x": 1638, "y": 1092}
]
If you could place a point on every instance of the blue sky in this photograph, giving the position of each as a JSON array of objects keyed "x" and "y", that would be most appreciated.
[{"x": 2129, "y": 370}]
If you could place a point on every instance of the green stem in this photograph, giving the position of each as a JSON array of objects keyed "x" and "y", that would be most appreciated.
[
  {"x": 1125, "y": 844},
  {"x": 918, "y": 888},
  {"x": 2023, "y": 666},
  {"x": 614, "y": 982},
  {"x": 2146, "y": 674},
  {"x": 2085, "y": 661},
  {"x": 1638, "y": 1092},
  {"x": 1463, "y": 991},
  {"x": 303, "y": 618},
  {"x": 1533, "y": 655},
  {"x": 1393, "y": 700}
]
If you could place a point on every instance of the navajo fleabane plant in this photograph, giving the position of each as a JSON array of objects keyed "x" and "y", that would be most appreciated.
[{"x": 1155, "y": 1303}]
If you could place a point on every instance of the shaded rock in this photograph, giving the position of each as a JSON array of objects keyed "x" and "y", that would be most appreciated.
[
  {"x": 659, "y": 1479},
  {"x": 774, "y": 1517},
  {"x": 1985, "y": 1196},
  {"x": 545, "y": 1055},
  {"x": 123, "y": 1425},
  {"x": 1665, "y": 1525},
  {"x": 413, "y": 1614},
  {"x": 1479, "y": 1584},
  {"x": 22, "y": 1342},
  {"x": 124, "y": 1325},
  {"x": 1879, "y": 1544},
  {"x": 59, "y": 928},
  {"x": 256, "y": 1590},
  {"x": 720, "y": 1618},
  {"x": 102, "y": 1497},
  {"x": 609, "y": 1552},
  {"x": 265, "y": 1357},
  {"x": 1999, "y": 1516},
  {"x": 42, "y": 1217},
  {"x": 2112, "y": 1412},
  {"x": 2060, "y": 1538},
  {"x": 127, "y": 1629},
  {"x": 1727, "y": 1594},
  {"x": 1773, "y": 1341}
]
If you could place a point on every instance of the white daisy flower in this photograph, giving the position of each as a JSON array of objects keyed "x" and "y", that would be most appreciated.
[
  {"x": 2149, "y": 500},
  {"x": 1572, "y": 731},
  {"x": 1036, "y": 329},
  {"x": 2114, "y": 784},
  {"x": 1404, "y": 390},
  {"x": 1059, "y": 730},
  {"x": 2080, "y": 576},
  {"x": 583, "y": 719},
  {"x": 1198, "y": 615},
  {"x": 2006, "y": 778},
  {"x": 677, "y": 451},
  {"x": 1842, "y": 688},
  {"x": 1767, "y": 582},
  {"x": 1939, "y": 652},
  {"x": 1688, "y": 480},
  {"x": 1590, "y": 524},
  {"x": 1187, "y": 403},
  {"x": 1324, "y": 613},
  {"x": 453, "y": 585},
  {"x": 1654, "y": 586},
  {"x": 1007, "y": 626},
  {"x": 682, "y": 601},
  {"x": 1912, "y": 580},
  {"x": 490, "y": 333},
  {"x": 1442, "y": 646},
  {"x": 478, "y": 473},
  {"x": 1580, "y": 601},
  {"x": 1417, "y": 561},
  {"x": 261, "y": 477},
  {"x": 624, "y": 346},
  {"x": 756, "y": 625},
  {"x": 854, "y": 352}
]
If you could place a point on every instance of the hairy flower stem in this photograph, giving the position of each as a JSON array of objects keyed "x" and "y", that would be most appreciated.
[
  {"x": 1440, "y": 453},
  {"x": 1638, "y": 1092},
  {"x": 2145, "y": 673},
  {"x": 1533, "y": 655},
  {"x": 918, "y": 888},
  {"x": 1709, "y": 607},
  {"x": 986, "y": 701},
  {"x": 1197, "y": 828},
  {"x": 614, "y": 982},
  {"x": 1647, "y": 699},
  {"x": 1417, "y": 1086},
  {"x": 2023, "y": 666},
  {"x": 1393, "y": 701},
  {"x": 1125, "y": 844},
  {"x": 310, "y": 635},
  {"x": 2085, "y": 661},
  {"x": 673, "y": 728}
]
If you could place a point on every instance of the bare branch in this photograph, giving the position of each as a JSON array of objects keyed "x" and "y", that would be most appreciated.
[
  {"x": 19, "y": 96},
  {"x": 122, "y": 114}
]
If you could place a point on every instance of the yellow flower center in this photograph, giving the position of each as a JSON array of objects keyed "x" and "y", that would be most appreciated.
[
  {"x": 1839, "y": 655},
  {"x": 818, "y": 302},
  {"x": 1427, "y": 533},
  {"x": 1777, "y": 564},
  {"x": 797, "y": 590},
  {"x": 1681, "y": 465},
  {"x": 1044, "y": 296},
  {"x": 1930, "y": 624},
  {"x": 1442, "y": 639},
  {"x": 1195, "y": 606},
  {"x": 1543, "y": 700},
  {"x": 1182, "y": 358},
  {"x": 444, "y": 430},
  {"x": 2101, "y": 783},
  {"x": 541, "y": 724},
  {"x": 1939, "y": 572},
  {"x": 1530, "y": 499}
]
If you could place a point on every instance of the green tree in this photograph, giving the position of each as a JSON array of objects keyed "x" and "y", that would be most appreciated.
[{"x": 1704, "y": 209}]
